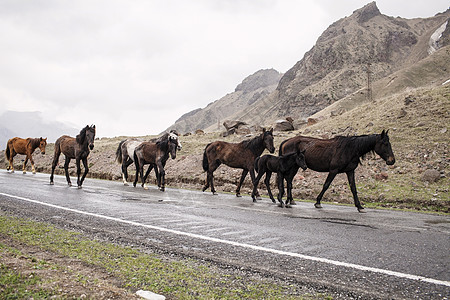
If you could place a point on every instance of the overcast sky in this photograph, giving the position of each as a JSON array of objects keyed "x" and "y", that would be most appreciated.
[{"x": 134, "y": 67}]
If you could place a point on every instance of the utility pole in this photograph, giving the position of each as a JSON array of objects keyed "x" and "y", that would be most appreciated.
[{"x": 369, "y": 83}]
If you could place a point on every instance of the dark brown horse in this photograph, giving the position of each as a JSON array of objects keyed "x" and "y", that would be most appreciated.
[
  {"x": 77, "y": 148},
  {"x": 339, "y": 155},
  {"x": 285, "y": 166},
  {"x": 236, "y": 155},
  {"x": 156, "y": 154},
  {"x": 26, "y": 147}
]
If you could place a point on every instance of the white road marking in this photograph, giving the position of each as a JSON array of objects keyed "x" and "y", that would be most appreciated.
[{"x": 243, "y": 245}]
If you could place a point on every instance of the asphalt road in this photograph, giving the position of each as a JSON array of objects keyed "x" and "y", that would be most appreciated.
[{"x": 379, "y": 254}]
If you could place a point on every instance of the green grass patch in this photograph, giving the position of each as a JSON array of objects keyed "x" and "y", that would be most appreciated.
[{"x": 181, "y": 279}]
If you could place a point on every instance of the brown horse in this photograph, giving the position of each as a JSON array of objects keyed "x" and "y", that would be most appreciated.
[
  {"x": 339, "y": 155},
  {"x": 24, "y": 146},
  {"x": 77, "y": 148},
  {"x": 236, "y": 155},
  {"x": 156, "y": 154}
]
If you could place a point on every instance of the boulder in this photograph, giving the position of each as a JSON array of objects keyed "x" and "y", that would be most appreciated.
[
  {"x": 283, "y": 125},
  {"x": 230, "y": 124},
  {"x": 431, "y": 175}
]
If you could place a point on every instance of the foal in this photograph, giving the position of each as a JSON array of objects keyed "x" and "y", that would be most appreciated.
[{"x": 285, "y": 166}]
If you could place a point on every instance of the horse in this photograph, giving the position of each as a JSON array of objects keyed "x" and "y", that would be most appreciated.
[
  {"x": 339, "y": 155},
  {"x": 235, "y": 155},
  {"x": 24, "y": 146},
  {"x": 156, "y": 154},
  {"x": 285, "y": 166},
  {"x": 77, "y": 148},
  {"x": 125, "y": 154}
]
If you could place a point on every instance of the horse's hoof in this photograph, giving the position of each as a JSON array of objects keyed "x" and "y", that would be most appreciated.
[
  {"x": 273, "y": 201},
  {"x": 162, "y": 189},
  {"x": 280, "y": 205},
  {"x": 145, "y": 187},
  {"x": 238, "y": 195},
  {"x": 254, "y": 200},
  {"x": 24, "y": 172},
  {"x": 12, "y": 171},
  {"x": 258, "y": 198},
  {"x": 125, "y": 184},
  {"x": 69, "y": 184},
  {"x": 215, "y": 193},
  {"x": 361, "y": 210},
  {"x": 204, "y": 189},
  {"x": 52, "y": 183},
  {"x": 288, "y": 206},
  {"x": 34, "y": 172},
  {"x": 317, "y": 205},
  {"x": 79, "y": 187}
]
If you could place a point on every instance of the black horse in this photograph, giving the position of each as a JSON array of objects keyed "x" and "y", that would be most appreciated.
[
  {"x": 339, "y": 155},
  {"x": 285, "y": 166},
  {"x": 236, "y": 155},
  {"x": 156, "y": 154},
  {"x": 77, "y": 148}
]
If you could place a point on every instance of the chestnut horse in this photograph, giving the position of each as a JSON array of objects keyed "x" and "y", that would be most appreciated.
[
  {"x": 339, "y": 155},
  {"x": 24, "y": 146},
  {"x": 236, "y": 155},
  {"x": 285, "y": 166},
  {"x": 77, "y": 148},
  {"x": 156, "y": 154}
]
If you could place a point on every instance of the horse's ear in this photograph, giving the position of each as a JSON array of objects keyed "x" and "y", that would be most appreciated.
[
  {"x": 383, "y": 133},
  {"x": 271, "y": 130},
  {"x": 264, "y": 129},
  {"x": 40, "y": 139}
]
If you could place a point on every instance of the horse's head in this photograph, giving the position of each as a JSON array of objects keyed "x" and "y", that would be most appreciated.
[
  {"x": 87, "y": 135},
  {"x": 42, "y": 144},
  {"x": 174, "y": 145},
  {"x": 267, "y": 137},
  {"x": 383, "y": 148},
  {"x": 300, "y": 159},
  {"x": 174, "y": 135}
]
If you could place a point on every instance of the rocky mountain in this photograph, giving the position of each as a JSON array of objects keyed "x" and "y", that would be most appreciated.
[
  {"x": 364, "y": 47},
  {"x": 251, "y": 90},
  {"x": 31, "y": 124}
]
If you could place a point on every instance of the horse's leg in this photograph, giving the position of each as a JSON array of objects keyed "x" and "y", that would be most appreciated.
[
  {"x": 138, "y": 167},
  {"x": 33, "y": 169},
  {"x": 162, "y": 176},
  {"x": 351, "y": 181},
  {"x": 66, "y": 170},
  {"x": 326, "y": 185},
  {"x": 267, "y": 182},
  {"x": 210, "y": 177},
  {"x": 255, "y": 184},
  {"x": 238, "y": 189},
  {"x": 86, "y": 170},
  {"x": 11, "y": 159},
  {"x": 25, "y": 165},
  {"x": 125, "y": 164},
  {"x": 144, "y": 179},
  {"x": 54, "y": 163},
  {"x": 289, "y": 190},
  {"x": 252, "y": 177},
  {"x": 280, "y": 181}
]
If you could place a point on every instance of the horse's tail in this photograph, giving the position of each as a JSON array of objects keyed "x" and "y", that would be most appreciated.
[
  {"x": 205, "y": 162},
  {"x": 7, "y": 151},
  {"x": 119, "y": 152},
  {"x": 256, "y": 164}
]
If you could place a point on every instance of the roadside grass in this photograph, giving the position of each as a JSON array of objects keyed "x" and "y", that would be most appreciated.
[
  {"x": 176, "y": 279},
  {"x": 14, "y": 285}
]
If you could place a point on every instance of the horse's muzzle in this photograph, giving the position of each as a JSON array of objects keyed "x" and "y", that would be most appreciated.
[
  {"x": 91, "y": 146},
  {"x": 390, "y": 161}
]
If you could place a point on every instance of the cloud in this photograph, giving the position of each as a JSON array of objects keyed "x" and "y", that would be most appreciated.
[{"x": 134, "y": 67}]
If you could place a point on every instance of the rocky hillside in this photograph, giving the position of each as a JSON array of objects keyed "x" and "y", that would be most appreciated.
[
  {"x": 366, "y": 42},
  {"x": 252, "y": 89}
]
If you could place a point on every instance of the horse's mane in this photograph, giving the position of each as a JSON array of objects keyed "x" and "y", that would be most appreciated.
[
  {"x": 360, "y": 144},
  {"x": 34, "y": 142},
  {"x": 82, "y": 135},
  {"x": 253, "y": 144}
]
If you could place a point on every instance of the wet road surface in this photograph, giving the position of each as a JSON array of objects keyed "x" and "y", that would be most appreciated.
[{"x": 379, "y": 254}]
